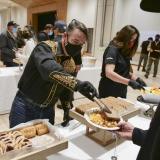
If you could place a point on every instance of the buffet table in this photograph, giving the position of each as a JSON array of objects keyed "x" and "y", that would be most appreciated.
[
  {"x": 10, "y": 76},
  {"x": 83, "y": 148}
]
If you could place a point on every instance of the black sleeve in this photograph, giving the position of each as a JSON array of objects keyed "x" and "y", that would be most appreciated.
[
  {"x": 3, "y": 46},
  {"x": 49, "y": 69},
  {"x": 156, "y": 145},
  {"x": 111, "y": 55},
  {"x": 138, "y": 136}
]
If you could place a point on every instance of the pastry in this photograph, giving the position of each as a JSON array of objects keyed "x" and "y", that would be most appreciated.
[
  {"x": 13, "y": 140},
  {"x": 2, "y": 148},
  {"x": 29, "y": 132},
  {"x": 41, "y": 129},
  {"x": 84, "y": 107}
]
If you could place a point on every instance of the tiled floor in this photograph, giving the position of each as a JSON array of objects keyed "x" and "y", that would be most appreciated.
[{"x": 132, "y": 95}]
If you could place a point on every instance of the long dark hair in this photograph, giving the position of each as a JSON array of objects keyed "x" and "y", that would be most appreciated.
[{"x": 122, "y": 39}]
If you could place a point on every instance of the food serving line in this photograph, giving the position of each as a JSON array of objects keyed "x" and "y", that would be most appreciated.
[{"x": 87, "y": 141}]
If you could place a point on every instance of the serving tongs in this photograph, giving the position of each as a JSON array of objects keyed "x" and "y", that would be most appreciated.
[
  {"x": 105, "y": 109},
  {"x": 102, "y": 105}
]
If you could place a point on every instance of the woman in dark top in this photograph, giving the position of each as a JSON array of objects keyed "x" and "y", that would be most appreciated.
[{"x": 116, "y": 68}]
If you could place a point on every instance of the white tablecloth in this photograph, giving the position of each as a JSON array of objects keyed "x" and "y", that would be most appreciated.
[
  {"x": 83, "y": 148},
  {"x": 10, "y": 76}
]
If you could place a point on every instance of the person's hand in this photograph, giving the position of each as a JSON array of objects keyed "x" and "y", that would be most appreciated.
[
  {"x": 134, "y": 84},
  {"x": 141, "y": 82},
  {"x": 126, "y": 130},
  {"x": 87, "y": 89}
]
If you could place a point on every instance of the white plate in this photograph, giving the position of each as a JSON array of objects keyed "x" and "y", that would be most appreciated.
[{"x": 86, "y": 116}]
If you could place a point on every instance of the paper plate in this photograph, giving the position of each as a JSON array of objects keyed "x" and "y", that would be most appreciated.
[{"x": 93, "y": 110}]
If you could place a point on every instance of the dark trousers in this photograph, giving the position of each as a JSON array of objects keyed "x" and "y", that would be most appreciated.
[
  {"x": 23, "y": 111},
  {"x": 144, "y": 58},
  {"x": 156, "y": 62}
]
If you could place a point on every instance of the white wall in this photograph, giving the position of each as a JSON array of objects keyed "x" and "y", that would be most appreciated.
[
  {"x": 17, "y": 14},
  {"x": 82, "y": 10},
  {"x": 129, "y": 12}
]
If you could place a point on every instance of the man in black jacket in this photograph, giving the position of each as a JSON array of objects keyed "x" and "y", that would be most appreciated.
[
  {"x": 8, "y": 44},
  {"x": 154, "y": 49},
  {"x": 144, "y": 54},
  {"x": 44, "y": 79}
]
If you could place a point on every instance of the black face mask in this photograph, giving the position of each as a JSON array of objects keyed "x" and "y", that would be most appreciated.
[{"x": 72, "y": 49}]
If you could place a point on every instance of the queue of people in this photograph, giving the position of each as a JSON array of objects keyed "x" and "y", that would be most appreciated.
[{"x": 150, "y": 53}]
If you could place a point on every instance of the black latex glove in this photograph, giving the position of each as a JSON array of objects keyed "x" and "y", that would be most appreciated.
[
  {"x": 134, "y": 84},
  {"x": 141, "y": 82},
  {"x": 87, "y": 89}
]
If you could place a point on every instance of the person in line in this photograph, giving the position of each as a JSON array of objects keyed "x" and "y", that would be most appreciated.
[
  {"x": 144, "y": 54},
  {"x": 44, "y": 35},
  {"x": 8, "y": 44},
  {"x": 28, "y": 36},
  {"x": 59, "y": 30},
  {"x": 44, "y": 79},
  {"x": 116, "y": 72},
  {"x": 154, "y": 57}
]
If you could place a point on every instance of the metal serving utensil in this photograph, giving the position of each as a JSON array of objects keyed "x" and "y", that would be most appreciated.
[{"x": 102, "y": 105}]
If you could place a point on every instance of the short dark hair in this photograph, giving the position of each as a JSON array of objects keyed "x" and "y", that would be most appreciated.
[
  {"x": 12, "y": 23},
  {"x": 150, "y": 39},
  {"x": 48, "y": 26},
  {"x": 75, "y": 24},
  {"x": 157, "y": 36}
]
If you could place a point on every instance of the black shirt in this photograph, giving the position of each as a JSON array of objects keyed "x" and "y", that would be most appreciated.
[
  {"x": 144, "y": 47},
  {"x": 8, "y": 42},
  {"x": 107, "y": 87},
  {"x": 155, "y": 46},
  {"x": 43, "y": 78}
]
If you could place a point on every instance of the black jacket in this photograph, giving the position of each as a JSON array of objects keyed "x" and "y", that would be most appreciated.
[
  {"x": 149, "y": 139},
  {"x": 155, "y": 46},
  {"x": 43, "y": 78},
  {"x": 7, "y": 43}
]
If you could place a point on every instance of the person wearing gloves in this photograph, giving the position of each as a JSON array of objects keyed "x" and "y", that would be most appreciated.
[
  {"x": 116, "y": 72},
  {"x": 44, "y": 79},
  {"x": 148, "y": 140},
  {"x": 70, "y": 58}
]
